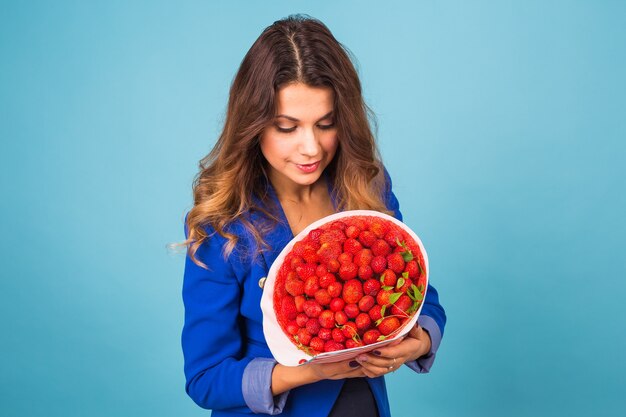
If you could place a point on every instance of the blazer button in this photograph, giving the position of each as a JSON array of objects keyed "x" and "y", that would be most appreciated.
[{"x": 262, "y": 282}]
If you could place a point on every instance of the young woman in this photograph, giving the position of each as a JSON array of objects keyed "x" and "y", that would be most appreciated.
[{"x": 296, "y": 146}]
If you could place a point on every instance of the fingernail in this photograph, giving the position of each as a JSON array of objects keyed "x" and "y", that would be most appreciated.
[
  {"x": 353, "y": 364},
  {"x": 362, "y": 358},
  {"x": 376, "y": 352}
]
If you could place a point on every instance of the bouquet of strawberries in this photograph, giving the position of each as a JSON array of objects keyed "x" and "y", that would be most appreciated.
[{"x": 348, "y": 283}]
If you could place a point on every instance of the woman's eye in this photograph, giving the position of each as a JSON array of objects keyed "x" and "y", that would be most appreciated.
[
  {"x": 285, "y": 129},
  {"x": 326, "y": 127}
]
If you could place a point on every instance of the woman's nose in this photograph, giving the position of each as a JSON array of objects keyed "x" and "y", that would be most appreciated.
[{"x": 309, "y": 144}]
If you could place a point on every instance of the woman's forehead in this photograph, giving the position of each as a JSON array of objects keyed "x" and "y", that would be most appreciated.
[{"x": 302, "y": 102}]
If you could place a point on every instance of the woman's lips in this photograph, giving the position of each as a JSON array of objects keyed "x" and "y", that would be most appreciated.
[{"x": 308, "y": 168}]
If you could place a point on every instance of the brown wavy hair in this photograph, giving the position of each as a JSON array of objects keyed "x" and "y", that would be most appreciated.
[{"x": 295, "y": 49}]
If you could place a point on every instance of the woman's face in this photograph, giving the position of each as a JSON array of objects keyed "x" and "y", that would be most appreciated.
[{"x": 302, "y": 140}]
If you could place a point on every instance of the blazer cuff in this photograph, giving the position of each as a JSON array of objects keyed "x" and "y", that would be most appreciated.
[
  {"x": 423, "y": 364},
  {"x": 256, "y": 386}
]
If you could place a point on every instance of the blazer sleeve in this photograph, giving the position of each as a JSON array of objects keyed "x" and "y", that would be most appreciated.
[
  {"x": 431, "y": 308},
  {"x": 211, "y": 337}
]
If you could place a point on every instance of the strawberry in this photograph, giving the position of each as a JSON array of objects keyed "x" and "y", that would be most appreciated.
[
  {"x": 332, "y": 235},
  {"x": 328, "y": 251},
  {"x": 375, "y": 312},
  {"x": 298, "y": 248},
  {"x": 338, "y": 224},
  {"x": 322, "y": 297},
  {"x": 395, "y": 262},
  {"x": 379, "y": 228},
  {"x": 334, "y": 289},
  {"x": 404, "y": 283},
  {"x": 311, "y": 285},
  {"x": 317, "y": 344},
  {"x": 312, "y": 308},
  {"x": 387, "y": 278},
  {"x": 351, "y": 343},
  {"x": 371, "y": 287},
  {"x": 412, "y": 268},
  {"x": 321, "y": 270},
  {"x": 363, "y": 322},
  {"x": 349, "y": 330},
  {"x": 314, "y": 235},
  {"x": 393, "y": 237},
  {"x": 378, "y": 264},
  {"x": 292, "y": 327},
  {"x": 288, "y": 308},
  {"x": 301, "y": 319},
  {"x": 348, "y": 271},
  {"x": 401, "y": 306},
  {"x": 294, "y": 287},
  {"x": 358, "y": 222},
  {"x": 333, "y": 265},
  {"x": 352, "y": 246},
  {"x": 352, "y": 231},
  {"x": 351, "y": 310},
  {"x": 324, "y": 334},
  {"x": 304, "y": 337},
  {"x": 366, "y": 303},
  {"x": 341, "y": 317},
  {"x": 367, "y": 238},
  {"x": 388, "y": 325},
  {"x": 345, "y": 258},
  {"x": 337, "y": 335},
  {"x": 313, "y": 326},
  {"x": 327, "y": 319},
  {"x": 305, "y": 271},
  {"x": 382, "y": 298},
  {"x": 295, "y": 261},
  {"x": 299, "y": 300},
  {"x": 332, "y": 346},
  {"x": 371, "y": 336},
  {"x": 327, "y": 279},
  {"x": 363, "y": 257},
  {"x": 381, "y": 248},
  {"x": 310, "y": 253},
  {"x": 337, "y": 304},
  {"x": 352, "y": 291},
  {"x": 365, "y": 272}
]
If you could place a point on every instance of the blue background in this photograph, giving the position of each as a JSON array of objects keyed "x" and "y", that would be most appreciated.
[{"x": 503, "y": 126}]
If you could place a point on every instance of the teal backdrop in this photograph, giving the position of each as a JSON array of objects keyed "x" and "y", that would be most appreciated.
[{"x": 503, "y": 125}]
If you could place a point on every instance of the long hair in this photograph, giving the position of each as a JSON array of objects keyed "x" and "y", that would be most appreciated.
[{"x": 295, "y": 49}]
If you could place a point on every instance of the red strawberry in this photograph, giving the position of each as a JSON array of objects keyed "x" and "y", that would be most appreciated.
[
  {"x": 292, "y": 327},
  {"x": 404, "y": 284},
  {"x": 311, "y": 285},
  {"x": 298, "y": 248},
  {"x": 367, "y": 238},
  {"x": 301, "y": 319},
  {"x": 393, "y": 237},
  {"x": 322, "y": 297},
  {"x": 379, "y": 264},
  {"x": 312, "y": 308},
  {"x": 304, "y": 337},
  {"x": 288, "y": 308},
  {"x": 375, "y": 312},
  {"x": 388, "y": 325},
  {"x": 305, "y": 271},
  {"x": 333, "y": 265},
  {"x": 314, "y": 235},
  {"x": 294, "y": 287},
  {"x": 351, "y": 310},
  {"x": 395, "y": 262},
  {"x": 313, "y": 326},
  {"x": 358, "y": 222},
  {"x": 310, "y": 253},
  {"x": 338, "y": 224},
  {"x": 327, "y": 279},
  {"x": 371, "y": 336},
  {"x": 352, "y": 231},
  {"x": 352, "y": 291},
  {"x": 366, "y": 303},
  {"x": 332, "y": 235},
  {"x": 332, "y": 346},
  {"x": 328, "y": 251},
  {"x": 363, "y": 322},
  {"x": 363, "y": 257},
  {"x": 401, "y": 306},
  {"x": 321, "y": 270},
  {"x": 317, "y": 344},
  {"x": 324, "y": 334},
  {"x": 349, "y": 330},
  {"x": 351, "y": 343},
  {"x": 379, "y": 228},
  {"x": 334, "y": 289},
  {"x": 341, "y": 317},
  {"x": 299, "y": 300},
  {"x": 412, "y": 268},
  {"x": 327, "y": 319},
  {"x": 365, "y": 272},
  {"x": 381, "y": 248},
  {"x": 345, "y": 258},
  {"x": 337, "y": 335},
  {"x": 387, "y": 278},
  {"x": 337, "y": 304},
  {"x": 295, "y": 261},
  {"x": 371, "y": 287},
  {"x": 382, "y": 298},
  {"x": 352, "y": 246},
  {"x": 348, "y": 271}
]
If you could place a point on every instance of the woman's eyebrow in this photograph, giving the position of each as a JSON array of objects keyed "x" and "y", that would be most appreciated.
[{"x": 293, "y": 119}]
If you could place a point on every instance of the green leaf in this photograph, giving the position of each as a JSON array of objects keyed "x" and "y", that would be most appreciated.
[
  {"x": 394, "y": 297},
  {"x": 407, "y": 256},
  {"x": 420, "y": 288},
  {"x": 400, "y": 282},
  {"x": 387, "y": 288},
  {"x": 381, "y": 338},
  {"x": 378, "y": 321},
  {"x": 382, "y": 278},
  {"x": 383, "y": 310},
  {"x": 405, "y": 275}
]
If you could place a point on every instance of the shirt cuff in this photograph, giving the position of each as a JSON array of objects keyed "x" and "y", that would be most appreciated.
[
  {"x": 423, "y": 364},
  {"x": 257, "y": 387}
]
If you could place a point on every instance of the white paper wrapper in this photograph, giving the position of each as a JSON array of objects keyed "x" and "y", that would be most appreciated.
[{"x": 284, "y": 351}]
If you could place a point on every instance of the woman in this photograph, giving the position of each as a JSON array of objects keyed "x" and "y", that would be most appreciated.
[{"x": 296, "y": 146}]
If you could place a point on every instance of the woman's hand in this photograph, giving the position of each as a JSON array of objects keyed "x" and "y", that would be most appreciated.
[
  {"x": 389, "y": 358},
  {"x": 285, "y": 378}
]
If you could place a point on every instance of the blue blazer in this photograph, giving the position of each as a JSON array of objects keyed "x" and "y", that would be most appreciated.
[{"x": 223, "y": 328}]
